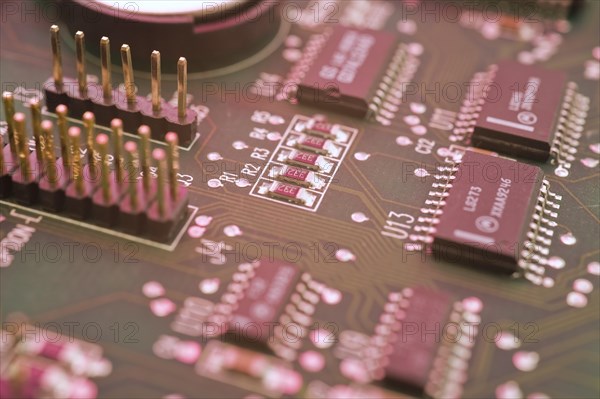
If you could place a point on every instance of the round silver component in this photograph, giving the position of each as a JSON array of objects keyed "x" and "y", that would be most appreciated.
[{"x": 197, "y": 8}]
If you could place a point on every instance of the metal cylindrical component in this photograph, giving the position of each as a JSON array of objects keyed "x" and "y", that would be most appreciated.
[
  {"x": 102, "y": 145},
  {"x": 129, "y": 81},
  {"x": 36, "y": 120},
  {"x": 160, "y": 158},
  {"x": 173, "y": 163},
  {"x": 106, "y": 68},
  {"x": 74, "y": 142},
  {"x": 144, "y": 133},
  {"x": 57, "y": 70},
  {"x": 116, "y": 126}
]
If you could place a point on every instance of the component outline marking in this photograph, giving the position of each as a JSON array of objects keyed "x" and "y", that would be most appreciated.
[
  {"x": 167, "y": 247},
  {"x": 264, "y": 176}
]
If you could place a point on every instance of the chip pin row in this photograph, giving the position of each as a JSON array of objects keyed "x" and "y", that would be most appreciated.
[{"x": 108, "y": 104}]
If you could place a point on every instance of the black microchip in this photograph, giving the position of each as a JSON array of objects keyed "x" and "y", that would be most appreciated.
[
  {"x": 416, "y": 345},
  {"x": 346, "y": 73},
  {"x": 520, "y": 112},
  {"x": 264, "y": 301},
  {"x": 526, "y": 10},
  {"x": 488, "y": 212}
]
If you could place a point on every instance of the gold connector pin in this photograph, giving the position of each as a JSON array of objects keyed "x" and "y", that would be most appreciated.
[
  {"x": 116, "y": 126},
  {"x": 102, "y": 146},
  {"x": 155, "y": 74},
  {"x": 181, "y": 87},
  {"x": 89, "y": 122},
  {"x": 22, "y": 148},
  {"x": 173, "y": 163},
  {"x": 36, "y": 121},
  {"x": 81, "y": 72},
  {"x": 74, "y": 142},
  {"x": 49, "y": 159},
  {"x": 160, "y": 159},
  {"x": 9, "y": 113},
  {"x": 128, "y": 74},
  {"x": 61, "y": 113},
  {"x": 144, "y": 134},
  {"x": 106, "y": 68},
  {"x": 132, "y": 161},
  {"x": 57, "y": 70}
]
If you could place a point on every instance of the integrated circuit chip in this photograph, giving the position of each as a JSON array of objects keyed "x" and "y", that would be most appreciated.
[
  {"x": 346, "y": 74},
  {"x": 416, "y": 346},
  {"x": 520, "y": 112},
  {"x": 488, "y": 212},
  {"x": 264, "y": 301},
  {"x": 527, "y": 10}
]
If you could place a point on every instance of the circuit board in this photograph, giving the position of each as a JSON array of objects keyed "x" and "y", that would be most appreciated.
[{"x": 364, "y": 199}]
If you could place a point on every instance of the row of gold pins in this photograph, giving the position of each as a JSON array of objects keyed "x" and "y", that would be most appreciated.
[
  {"x": 167, "y": 162},
  {"x": 127, "y": 65}
]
